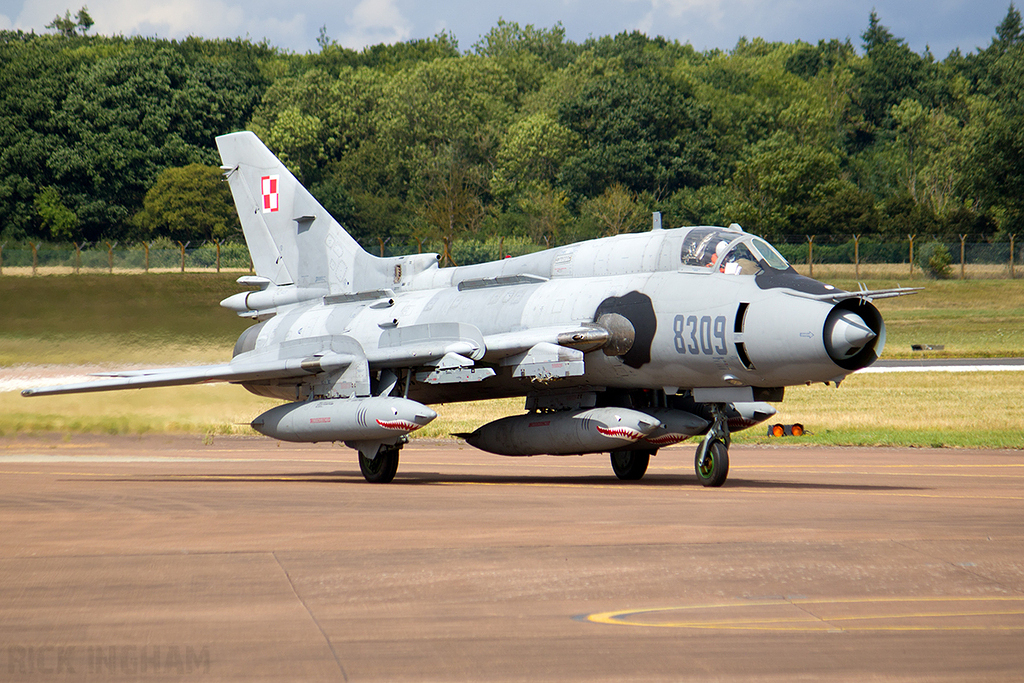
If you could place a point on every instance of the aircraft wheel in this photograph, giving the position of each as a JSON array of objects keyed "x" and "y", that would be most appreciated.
[
  {"x": 712, "y": 463},
  {"x": 630, "y": 465},
  {"x": 382, "y": 469}
]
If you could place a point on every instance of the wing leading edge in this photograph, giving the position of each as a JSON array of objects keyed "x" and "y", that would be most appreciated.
[{"x": 200, "y": 374}]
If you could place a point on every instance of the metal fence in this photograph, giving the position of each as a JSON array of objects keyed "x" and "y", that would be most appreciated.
[
  {"x": 999, "y": 259},
  {"x": 43, "y": 258}
]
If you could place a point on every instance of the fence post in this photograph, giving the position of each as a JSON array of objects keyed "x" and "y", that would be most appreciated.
[
  {"x": 145, "y": 245},
  {"x": 35, "y": 257},
  {"x": 217, "y": 242},
  {"x": 911, "y": 237},
  {"x": 810, "y": 254},
  {"x": 448, "y": 255},
  {"x": 856, "y": 256},
  {"x": 1011, "y": 256},
  {"x": 963, "y": 238},
  {"x": 2, "y": 257},
  {"x": 110, "y": 257},
  {"x": 183, "y": 253}
]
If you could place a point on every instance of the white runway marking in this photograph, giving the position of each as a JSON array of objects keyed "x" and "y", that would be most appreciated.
[{"x": 942, "y": 368}]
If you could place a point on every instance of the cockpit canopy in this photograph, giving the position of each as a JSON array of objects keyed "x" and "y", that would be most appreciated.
[{"x": 731, "y": 251}]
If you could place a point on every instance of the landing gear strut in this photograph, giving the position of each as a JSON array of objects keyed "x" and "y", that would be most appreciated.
[
  {"x": 382, "y": 468},
  {"x": 712, "y": 458}
]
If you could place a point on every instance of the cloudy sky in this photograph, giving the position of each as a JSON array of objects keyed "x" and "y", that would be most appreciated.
[{"x": 294, "y": 24}]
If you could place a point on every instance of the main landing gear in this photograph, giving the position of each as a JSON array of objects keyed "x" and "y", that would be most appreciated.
[
  {"x": 631, "y": 465},
  {"x": 380, "y": 469},
  {"x": 712, "y": 458}
]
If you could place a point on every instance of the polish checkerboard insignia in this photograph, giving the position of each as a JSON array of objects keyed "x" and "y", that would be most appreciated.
[{"x": 268, "y": 185}]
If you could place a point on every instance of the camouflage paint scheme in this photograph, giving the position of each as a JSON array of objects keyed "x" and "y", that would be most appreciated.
[{"x": 621, "y": 344}]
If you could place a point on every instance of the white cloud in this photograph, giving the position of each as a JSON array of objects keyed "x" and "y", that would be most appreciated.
[
  {"x": 700, "y": 22},
  {"x": 293, "y": 25},
  {"x": 167, "y": 19},
  {"x": 679, "y": 8},
  {"x": 35, "y": 15},
  {"x": 256, "y": 19},
  {"x": 375, "y": 21}
]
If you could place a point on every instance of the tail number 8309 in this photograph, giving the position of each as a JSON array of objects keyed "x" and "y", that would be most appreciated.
[{"x": 703, "y": 335}]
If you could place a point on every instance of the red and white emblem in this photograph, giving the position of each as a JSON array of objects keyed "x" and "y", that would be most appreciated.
[{"x": 268, "y": 185}]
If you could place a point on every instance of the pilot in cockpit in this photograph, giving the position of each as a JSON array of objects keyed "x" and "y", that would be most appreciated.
[
  {"x": 739, "y": 261},
  {"x": 717, "y": 254}
]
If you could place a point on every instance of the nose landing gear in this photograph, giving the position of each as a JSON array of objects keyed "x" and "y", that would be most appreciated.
[{"x": 711, "y": 461}]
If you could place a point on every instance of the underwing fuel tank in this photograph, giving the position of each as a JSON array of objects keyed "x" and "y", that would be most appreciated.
[
  {"x": 380, "y": 418},
  {"x": 745, "y": 415},
  {"x": 676, "y": 426},
  {"x": 569, "y": 432}
]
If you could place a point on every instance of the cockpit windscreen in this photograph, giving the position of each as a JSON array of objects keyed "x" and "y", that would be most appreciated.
[{"x": 730, "y": 251}]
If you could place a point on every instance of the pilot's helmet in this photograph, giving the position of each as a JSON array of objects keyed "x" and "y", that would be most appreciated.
[{"x": 720, "y": 249}]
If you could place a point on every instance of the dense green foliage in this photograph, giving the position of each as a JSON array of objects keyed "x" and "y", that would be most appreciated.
[
  {"x": 526, "y": 137},
  {"x": 186, "y": 203},
  {"x": 92, "y": 121}
]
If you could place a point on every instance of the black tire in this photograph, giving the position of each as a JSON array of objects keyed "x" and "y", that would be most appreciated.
[
  {"x": 382, "y": 469},
  {"x": 630, "y": 465},
  {"x": 713, "y": 468}
]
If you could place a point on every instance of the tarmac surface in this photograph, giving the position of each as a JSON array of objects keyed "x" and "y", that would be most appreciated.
[{"x": 167, "y": 558}]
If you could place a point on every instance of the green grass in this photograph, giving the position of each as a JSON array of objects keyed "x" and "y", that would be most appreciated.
[
  {"x": 935, "y": 409},
  {"x": 198, "y": 409},
  {"x": 154, "y": 318},
  {"x": 963, "y": 410},
  {"x": 173, "y": 319},
  {"x": 971, "y": 318}
]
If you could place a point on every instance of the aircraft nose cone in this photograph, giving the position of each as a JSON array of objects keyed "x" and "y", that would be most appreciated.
[{"x": 848, "y": 335}]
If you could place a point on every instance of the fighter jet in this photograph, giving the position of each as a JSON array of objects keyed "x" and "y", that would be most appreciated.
[{"x": 620, "y": 345}]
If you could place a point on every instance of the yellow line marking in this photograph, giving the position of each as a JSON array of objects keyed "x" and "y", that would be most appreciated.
[
  {"x": 819, "y": 622},
  {"x": 919, "y": 466}
]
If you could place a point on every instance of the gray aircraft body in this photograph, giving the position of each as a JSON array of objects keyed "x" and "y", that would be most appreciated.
[{"x": 621, "y": 345}]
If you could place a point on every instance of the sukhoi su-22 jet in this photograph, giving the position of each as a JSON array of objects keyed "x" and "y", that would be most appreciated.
[{"x": 619, "y": 345}]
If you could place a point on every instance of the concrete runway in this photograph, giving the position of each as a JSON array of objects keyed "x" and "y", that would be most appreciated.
[{"x": 127, "y": 558}]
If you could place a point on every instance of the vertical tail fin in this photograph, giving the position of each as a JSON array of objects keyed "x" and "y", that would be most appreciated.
[{"x": 292, "y": 239}]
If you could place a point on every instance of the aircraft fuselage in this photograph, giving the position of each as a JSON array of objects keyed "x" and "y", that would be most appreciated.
[{"x": 693, "y": 327}]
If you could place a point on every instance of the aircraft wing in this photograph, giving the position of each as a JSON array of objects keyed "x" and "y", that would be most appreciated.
[
  {"x": 200, "y": 374},
  {"x": 462, "y": 345}
]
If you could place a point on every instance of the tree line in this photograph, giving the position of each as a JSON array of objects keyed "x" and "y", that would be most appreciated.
[{"x": 525, "y": 137}]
